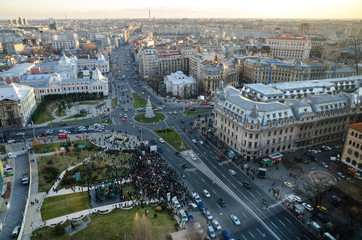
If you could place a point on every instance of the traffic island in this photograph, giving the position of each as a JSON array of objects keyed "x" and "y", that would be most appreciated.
[
  {"x": 159, "y": 117},
  {"x": 173, "y": 138}
]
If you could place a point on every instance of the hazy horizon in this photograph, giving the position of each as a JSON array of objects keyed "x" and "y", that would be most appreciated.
[{"x": 91, "y": 9}]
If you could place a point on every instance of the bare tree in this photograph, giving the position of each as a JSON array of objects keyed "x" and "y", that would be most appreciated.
[
  {"x": 314, "y": 185},
  {"x": 89, "y": 47},
  {"x": 197, "y": 229}
]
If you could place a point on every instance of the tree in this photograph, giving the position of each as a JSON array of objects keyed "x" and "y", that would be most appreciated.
[
  {"x": 60, "y": 109},
  {"x": 88, "y": 47},
  {"x": 314, "y": 185}
]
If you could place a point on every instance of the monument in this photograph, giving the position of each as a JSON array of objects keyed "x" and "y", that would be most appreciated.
[{"x": 149, "y": 110}]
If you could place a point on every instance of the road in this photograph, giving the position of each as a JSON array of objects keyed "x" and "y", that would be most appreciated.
[
  {"x": 18, "y": 197},
  {"x": 257, "y": 222}
]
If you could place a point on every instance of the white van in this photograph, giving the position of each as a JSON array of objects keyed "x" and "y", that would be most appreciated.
[
  {"x": 193, "y": 206},
  {"x": 182, "y": 215},
  {"x": 175, "y": 203}
]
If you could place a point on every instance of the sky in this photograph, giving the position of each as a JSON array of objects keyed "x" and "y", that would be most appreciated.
[{"x": 319, "y": 9}]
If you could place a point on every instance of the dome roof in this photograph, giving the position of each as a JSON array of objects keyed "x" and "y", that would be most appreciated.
[
  {"x": 64, "y": 59},
  {"x": 101, "y": 57}
]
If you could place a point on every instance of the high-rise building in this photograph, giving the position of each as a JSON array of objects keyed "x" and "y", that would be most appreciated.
[
  {"x": 25, "y": 21},
  {"x": 10, "y": 21},
  {"x": 21, "y": 21}
]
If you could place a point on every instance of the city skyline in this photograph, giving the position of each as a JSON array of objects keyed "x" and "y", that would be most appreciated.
[{"x": 41, "y": 9}]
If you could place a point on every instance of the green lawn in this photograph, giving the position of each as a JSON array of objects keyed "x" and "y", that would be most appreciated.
[
  {"x": 140, "y": 102},
  {"x": 2, "y": 149},
  {"x": 51, "y": 146},
  {"x": 118, "y": 224},
  {"x": 108, "y": 121},
  {"x": 159, "y": 117},
  {"x": 114, "y": 103},
  {"x": 60, "y": 114},
  {"x": 77, "y": 120},
  {"x": 172, "y": 137},
  {"x": 79, "y": 115},
  {"x": 87, "y": 103},
  {"x": 100, "y": 105},
  {"x": 188, "y": 113},
  {"x": 44, "y": 117},
  {"x": 64, "y": 204}
]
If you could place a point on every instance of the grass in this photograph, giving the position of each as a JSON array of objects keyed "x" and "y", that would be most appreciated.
[
  {"x": 100, "y": 105},
  {"x": 79, "y": 115},
  {"x": 64, "y": 204},
  {"x": 172, "y": 137},
  {"x": 60, "y": 114},
  {"x": 118, "y": 224},
  {"x": 109, "y": 121},
  {"x": 140, "y": 102},
  {"x": 114, "y": 103},
  {"x": 46, "y": 116},
  {"x": 87, "y": 103},
  {"x": 159, "y": 117},
  {"x": 189, "y": 113},
  {"x": 2, "y": 149}
]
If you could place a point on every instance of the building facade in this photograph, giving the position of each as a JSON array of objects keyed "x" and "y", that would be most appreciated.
[
  {"x": 289, "y": 47},
  {"x": 255, "y": 128},
  {"x": 17, "y": 103},
  {"x": 178, "y": 84},
  {"x": 14, "y": 48},
  {"x": 352, "y": 151}
]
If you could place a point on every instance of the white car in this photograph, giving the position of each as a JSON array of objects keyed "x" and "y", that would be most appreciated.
[
  {"x": 193, "y": 157},
  {"x": 125, "y": 115},
  {"x": 208, "y": 215},
  {"x": 161, "y": 140},
  {"x": 307, "y": 206},
  {"x": 298, "y": 199},
  {"x": 194, "y": 141},
  {"x": 232, "y": 172},
  {"x": 341, "y": 175},
  {"x": 196, "y": 197},
  {"x": 235, "y": 219},
  {"x": 20, "y": 134},
  {"x": 323, "y": 164},
  {"x": 216, "y": 224},
  {"x": 206, "y": 193},
  {"x": 201, "y": 142}
]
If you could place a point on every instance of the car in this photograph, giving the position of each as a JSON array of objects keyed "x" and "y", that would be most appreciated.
[
  {"x": 177, "y": 154},
  {"x": 11, "y": 141},
  {"x": 20, "y": 134},
  {"x": 193, "y": 157},
  {"x": 183, "y": 166},
  {"x": 226, "y": 235},
  {"x": 211, "y": 231},
  {"x": 174, "y": 112},
  {"x": 247, "y": 185},
  {"x": 322, "y": 209},
  {"x": 331, "y": 169},
  {"x": 125, "y": 115},
  {"x": 220, "y": 155},
  {"x": 170, "y": 113},
  {"x": 208, "y": 214},
  {"x": 235, "y": 219},
  {"x": 194, "y": 141},
  {"x": 298, "y": 199},
  {"x": 323, "y": 164},
  {"x": 307, "y": 206},
  {"x": 196, "y": 197},
  {"x": 153, "y": 141},
  {"x": 265, "y": 203},
  {"x": 161, "y": 140},
  {"x": 222, "y": 202},
  {"x": 124, "y": 120},
  {"x": 232, "y": 172},
  {"x": 201, "y": 142},
  {"x": 206, "y": 193},
  {"x": 16, "y": 231},
  {"x": 216, "y": 224},
  {"x": 341, "y": 175},
  {"x": 288, "y": 184}
]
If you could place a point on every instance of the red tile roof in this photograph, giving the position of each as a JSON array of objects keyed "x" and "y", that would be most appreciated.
[{"x": 356, "y": 126}]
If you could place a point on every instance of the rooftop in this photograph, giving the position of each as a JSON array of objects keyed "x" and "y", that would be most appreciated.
[{"x": 356, "y": 126}]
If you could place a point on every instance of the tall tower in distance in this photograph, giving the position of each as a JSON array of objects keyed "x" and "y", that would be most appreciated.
[{"x": 149, "y": 14}]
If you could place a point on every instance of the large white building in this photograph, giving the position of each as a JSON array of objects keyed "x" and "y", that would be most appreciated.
[
  {"x": 100, "y": 63},
  {"x": 270, "y": 122},
  {"x": 178, "y": 84},
  {"x": 16, "y": 105},
  {"x": 289, "y": 47},
  {"x": 66, "y": 80},
  {"x": 63, "y": 42}
]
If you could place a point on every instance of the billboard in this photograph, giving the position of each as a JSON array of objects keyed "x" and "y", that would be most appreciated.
[{"x": 153, "y": 148}]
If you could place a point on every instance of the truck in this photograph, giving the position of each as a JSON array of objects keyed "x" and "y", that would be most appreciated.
[{"x": 25, "y": 178}]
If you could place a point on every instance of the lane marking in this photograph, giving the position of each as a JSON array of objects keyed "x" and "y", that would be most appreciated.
[
  {"x": 282, "y": 223},
  {"x": 244, "y": 237},
  {"x": 244, "y": 215},
  {"x": 273, "y": 224},
  {"x": 288, "y": 220},
  {"x": 306, "y": 236},
  {"x": 251, "y": 235}
]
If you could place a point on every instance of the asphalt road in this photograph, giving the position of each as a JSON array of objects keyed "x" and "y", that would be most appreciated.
[{"x": 18, "y": 198}]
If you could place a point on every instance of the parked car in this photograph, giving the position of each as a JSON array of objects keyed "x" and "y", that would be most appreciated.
[
  {"x": 208, "y": 214},
  {"x": 307, "y": 206},
  {"x": 216, "y": 224}
]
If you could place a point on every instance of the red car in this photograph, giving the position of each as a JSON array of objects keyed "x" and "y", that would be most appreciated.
[
  {"x": 331, "y": 169},
  {"x": 220, "y": 155},
  {"x": 205, "y": 103},
  {"x": 124, "y": 120}
]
